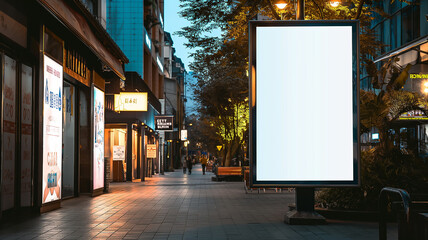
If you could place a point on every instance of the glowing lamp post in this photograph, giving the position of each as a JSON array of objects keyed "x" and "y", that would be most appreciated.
[{"x": 305, "y": 196}]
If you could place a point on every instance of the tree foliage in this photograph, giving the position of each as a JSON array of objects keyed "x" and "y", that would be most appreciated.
[{"x": 221, "y": 62}]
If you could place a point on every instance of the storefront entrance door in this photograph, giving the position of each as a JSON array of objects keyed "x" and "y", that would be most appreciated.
[{"x": 68, "y": 141}]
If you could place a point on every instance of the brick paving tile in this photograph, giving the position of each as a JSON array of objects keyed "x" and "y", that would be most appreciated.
[{"x": 178, "y": 206}]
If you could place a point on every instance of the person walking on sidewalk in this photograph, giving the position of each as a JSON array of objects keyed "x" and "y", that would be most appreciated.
[
  {"x": 184, "y": 162},
  {"x": 204, "y": 162},
  {"x": 189, "y": 164}
]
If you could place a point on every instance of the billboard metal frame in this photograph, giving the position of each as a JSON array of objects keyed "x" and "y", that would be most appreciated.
[{"x": 354, "y": 24}]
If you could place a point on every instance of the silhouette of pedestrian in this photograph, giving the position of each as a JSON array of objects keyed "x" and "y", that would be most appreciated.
[
  {"x": 184, "y": 162},
  {"x": 189, "y": 164},
  {"x": 204, "y": 162}
]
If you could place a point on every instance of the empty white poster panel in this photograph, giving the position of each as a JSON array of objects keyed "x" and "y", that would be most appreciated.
[{"x": 304, "y": 93}]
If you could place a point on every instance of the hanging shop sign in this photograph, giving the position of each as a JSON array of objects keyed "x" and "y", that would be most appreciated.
[
  {"x": 98, "y": 159},
  {"x": 281, "y": 54},
  {"x": 164, "y": 123},
  {"x": 52, "y": 130},
  {"x": 151, "y": 150},
  {"x": 184, "y": 135},
  {"x": 130, "y": 101},
  {"x": 118, "y": 153}
]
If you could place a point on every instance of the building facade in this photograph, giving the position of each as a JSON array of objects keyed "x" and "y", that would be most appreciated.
[
  {"x": 405, "y": 37},
  {"x": 56, "y": 60},
  {"x": 137, "y": 27},
  {"x": 173, "y": 105}
]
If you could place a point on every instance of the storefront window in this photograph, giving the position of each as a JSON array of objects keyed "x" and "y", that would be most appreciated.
[
  {"x": 68, "y": 140},
  {"x": 53, "y": 46},
  {"x": 115, "y": 150},
  {"x": 9, "y": 133},
  {"x": 26, "y": 134}
]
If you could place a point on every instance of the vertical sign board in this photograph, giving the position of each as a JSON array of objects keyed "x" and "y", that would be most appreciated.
[
  {"x": 52, "y": 130},
  {"x": 9, "y": 134},
  {"x": 98, "y": 139},
  {"x": 304, "y": 81},
  {"x": 183, "y": 134},
  {"x": 151, "y": 150},
  {"x": 26, "y": 133}
]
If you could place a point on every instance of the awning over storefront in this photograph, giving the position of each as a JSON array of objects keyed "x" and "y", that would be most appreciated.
[
  {"x": 78, "y": 24},
  {"x": 402, "y": 49}
]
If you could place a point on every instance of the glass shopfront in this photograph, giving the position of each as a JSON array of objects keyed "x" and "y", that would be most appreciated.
[
  {"x": 69, "y": 140},
  {"x": 115, "y": 152},
  {"x": 16, "y": 127}
]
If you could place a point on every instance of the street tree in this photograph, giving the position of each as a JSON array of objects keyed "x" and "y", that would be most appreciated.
[{"x": 221, "y": 62}]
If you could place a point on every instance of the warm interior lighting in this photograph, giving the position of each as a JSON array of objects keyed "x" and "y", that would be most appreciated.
[
  {"x": 425, "y": 87},
  {"x": 334, "y": 3},
  {"x": 281, "y": 5}
]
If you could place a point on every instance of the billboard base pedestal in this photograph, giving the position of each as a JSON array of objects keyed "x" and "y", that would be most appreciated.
[
  {"x": 304, "y": 214},
  {"x": 304, "y": 218}
]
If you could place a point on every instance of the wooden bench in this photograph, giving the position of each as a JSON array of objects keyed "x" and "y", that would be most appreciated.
[{"x": 223, "y": 173}]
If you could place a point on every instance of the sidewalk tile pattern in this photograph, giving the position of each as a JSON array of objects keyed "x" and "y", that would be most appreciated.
[{"x": 177, "y": 206}]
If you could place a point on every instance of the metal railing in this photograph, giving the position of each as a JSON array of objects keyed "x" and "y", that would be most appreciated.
[{"x": 403, "y": 231}]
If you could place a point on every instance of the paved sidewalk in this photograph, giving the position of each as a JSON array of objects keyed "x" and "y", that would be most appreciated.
[{"x": 177, "y": 206}]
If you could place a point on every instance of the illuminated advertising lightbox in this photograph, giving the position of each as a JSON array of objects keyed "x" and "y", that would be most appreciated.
[
  {"x": 183, "y": 135},
  {"x": 52, "y": 130},
  {"x": 304, "y": 82},
  {"x": 98, "y": 139},
  {"x": 151, "y": 150},
  {"x": 130, "y": 101},
  {"x": 164, "y": 123}
]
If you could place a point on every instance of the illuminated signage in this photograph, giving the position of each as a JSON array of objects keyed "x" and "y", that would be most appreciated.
[
  {"x": 130, "y": 101},
  {"x": 164, "y": 123},
  {"x": 52, "y": 130},
  {"x": 413, "y": 115},
  {"x": 151, "y": 150},
  {"x": 375, "y": 136},
  {"x": 183, "y": 135},
  {"x": 321, "y": 75},
  {"x": 98, "y": 158},
  {"x": 159, "y": 63}
]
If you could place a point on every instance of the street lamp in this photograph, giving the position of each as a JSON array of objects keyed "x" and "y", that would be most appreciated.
[
  {"x": 281, "y": 4},
  {"x": 334, "y": 3},
  {"x": 300, "y": 8},
  {"x": 305, "y": 196}
]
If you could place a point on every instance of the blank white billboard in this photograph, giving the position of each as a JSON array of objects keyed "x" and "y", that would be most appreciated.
[{"x": 304, "y": 93}]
